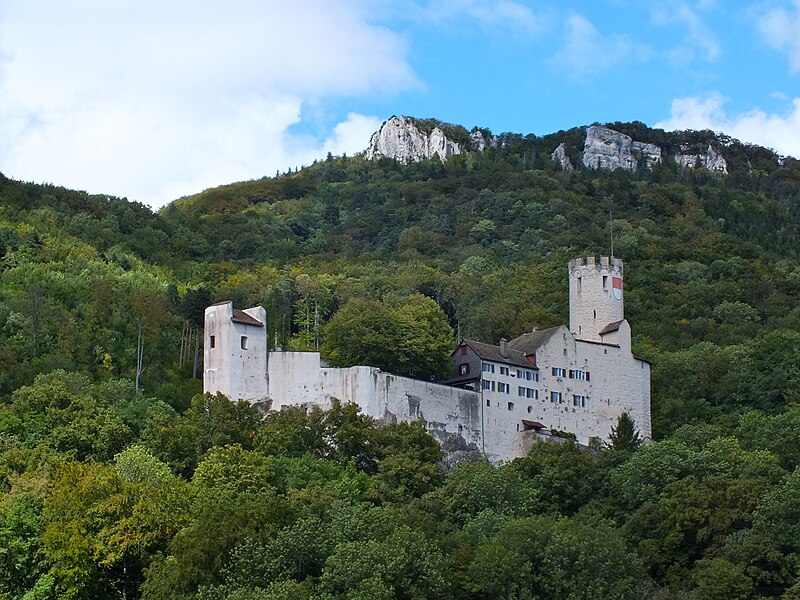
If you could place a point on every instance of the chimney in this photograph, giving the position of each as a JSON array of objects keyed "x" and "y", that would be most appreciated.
[{"x": 504, "y": 348}]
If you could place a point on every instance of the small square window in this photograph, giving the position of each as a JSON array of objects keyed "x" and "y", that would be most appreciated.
[
  {"x": 510, "y": 406},
  {"x": 463, "y": 369},
  {"x": 244, "y": 342}
]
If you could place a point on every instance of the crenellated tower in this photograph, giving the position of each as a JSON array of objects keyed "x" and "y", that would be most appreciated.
[{"x": 595, "y": 296}]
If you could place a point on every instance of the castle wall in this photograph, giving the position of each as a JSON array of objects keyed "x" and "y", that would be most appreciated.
[{"x": 594, "y": 302}]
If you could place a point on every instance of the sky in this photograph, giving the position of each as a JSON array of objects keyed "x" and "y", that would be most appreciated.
[{"x": 156, "y": 99}]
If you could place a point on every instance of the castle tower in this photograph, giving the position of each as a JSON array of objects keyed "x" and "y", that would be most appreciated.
[
  {"x": 595, "y": 296},
  {"x": 235, "y": 352}
]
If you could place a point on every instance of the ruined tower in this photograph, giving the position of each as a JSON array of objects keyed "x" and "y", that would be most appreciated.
[{"x": 235, "y": 352}]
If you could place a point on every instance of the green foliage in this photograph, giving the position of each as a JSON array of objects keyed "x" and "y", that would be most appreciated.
[
  {"x": 624, "y": 436},
  {"x": 170, "y": 494},
  {"x": 413, "y": 338}
]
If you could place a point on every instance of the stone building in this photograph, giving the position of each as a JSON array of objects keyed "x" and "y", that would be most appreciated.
[{"x": 500, "y": 398}]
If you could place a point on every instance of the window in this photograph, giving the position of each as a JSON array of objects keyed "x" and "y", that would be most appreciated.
[
  {"x": 463, "y": 350},
  {"x": 487, "y": 385},
  {"x": 605, "y": 285},
  {"x": 212, "y": 341},
  {"x": 559, "y": 372},
  {"x": 463, "y": 369},
  {"x": 488, "y": 402},
  {"x": 533, "y": 394},
  {"x": 578, "y": 400},
  {"x": 579, "y": 285},
  {"x": 521, "y": 392},
  {"x": 510, "y": 406},
  {"x": 531, "y": 376},
  {"x": 488, "y": 368},
  {"x": 492, "y": 385},
  {"x": 244, "y": 342},
  {"x": 577, "y": 374},
  {"x": 503, "y": 370},
  {"x": 520, "y": 374},
  {"x": 556, "y": 397},
  {"x": 503, "y": 388},
  {"x": 530, "y": 409}
]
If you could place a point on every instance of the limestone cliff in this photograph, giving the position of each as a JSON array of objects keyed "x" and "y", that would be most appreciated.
[
  {"x": 560, "y": 157},
  {"x": 401, "y": 139},
  {"x": 607, "y": 150},
  {"x": 711, "y": 160}
]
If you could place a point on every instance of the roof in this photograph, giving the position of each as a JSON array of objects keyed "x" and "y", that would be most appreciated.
[
  {"x": 533, "y": 424},
  {"x": 239, "y": 316},
  {"x": 611, "y": 327},
  {"x": 492, "y": 353},
  {"x": 528, "y": 343}
]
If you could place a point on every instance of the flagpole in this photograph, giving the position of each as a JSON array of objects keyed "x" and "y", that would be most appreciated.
[{"x": 611, "y": 223}]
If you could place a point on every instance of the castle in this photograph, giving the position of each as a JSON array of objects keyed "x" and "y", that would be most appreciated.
[{"x": 577, "y": 379}]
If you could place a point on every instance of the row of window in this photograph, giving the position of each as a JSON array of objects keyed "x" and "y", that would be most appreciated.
[
  {"x": 573, "y": 373},
  {"x": 518, "y": 373},
  {"x": 212, "y": 342},
  {"x": 577, "y": 399}
]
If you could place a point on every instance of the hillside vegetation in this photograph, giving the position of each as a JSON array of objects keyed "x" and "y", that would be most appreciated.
[{"x": 118, "y": 479}]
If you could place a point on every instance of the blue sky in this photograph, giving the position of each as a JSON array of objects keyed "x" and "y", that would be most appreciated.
[{"x": 154, "y": 100}]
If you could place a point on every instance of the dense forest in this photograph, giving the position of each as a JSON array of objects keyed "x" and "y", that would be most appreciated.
[{"x": 119, "y": 479}]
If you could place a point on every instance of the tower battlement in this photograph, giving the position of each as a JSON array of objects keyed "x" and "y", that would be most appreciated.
[{"x": 591, "y": 262}]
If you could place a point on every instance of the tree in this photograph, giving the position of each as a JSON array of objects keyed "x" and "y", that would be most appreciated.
[
  {"x": 412, "y": 338},
  {"x": 624, "y": 436}
]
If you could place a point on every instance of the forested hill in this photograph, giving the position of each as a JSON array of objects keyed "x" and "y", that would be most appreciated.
[{"x": 107, "y": 490}]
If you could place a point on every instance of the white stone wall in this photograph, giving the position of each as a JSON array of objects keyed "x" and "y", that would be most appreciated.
[
  {"x": 592, "y": 304},
  {"x": 505, "y": 436},
  {"x": 618, "y": 382},
  {"x": 227, "y": 367}
]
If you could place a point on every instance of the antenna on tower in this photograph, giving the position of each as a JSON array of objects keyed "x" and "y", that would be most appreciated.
[{"x": 611, "y": 224}]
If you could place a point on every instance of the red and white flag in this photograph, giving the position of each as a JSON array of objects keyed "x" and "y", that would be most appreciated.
[{"x": 617, "y": 285}]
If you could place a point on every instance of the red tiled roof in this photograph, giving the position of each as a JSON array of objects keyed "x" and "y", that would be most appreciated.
[
  {"x": 610, "y": 327},
  {"x": 239, "y": 316},
  {"x": 492, "y": 353}
]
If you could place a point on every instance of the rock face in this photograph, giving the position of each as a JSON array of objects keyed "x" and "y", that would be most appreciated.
[
  {"x": 650, "y": 152},
  {"x": 560, "y": 157},
  {"x": 400, "y": 138},
  {"x": 711, "y": 160},
  {"x": 607, "y": 150}
]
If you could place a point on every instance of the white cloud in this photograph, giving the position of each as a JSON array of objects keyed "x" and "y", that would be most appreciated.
[
  {"x": 699, "y": 38},
  {"x": 492, "y": 14},
  {"x": 586, "y": 51},
  {"x": 780, "y": 132},
  {"x": 153, "y": 100},
  {"x": 780, "y": 28}
]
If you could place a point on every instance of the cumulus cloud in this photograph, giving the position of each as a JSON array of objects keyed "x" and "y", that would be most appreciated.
[
  {"x": 586, "y": 51},
  {"x": 780, "y": 132},
  {"x": 154, "y": 100},
  {"x": 780, "y": 28}
]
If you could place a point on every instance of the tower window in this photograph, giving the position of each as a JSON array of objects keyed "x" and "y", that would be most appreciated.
[
  {"x": 212, "y": 341},
  {"x": 605, "y": 282},
  {"x": 580, "y": 282},
  {"x": 244, "y": 342}
]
